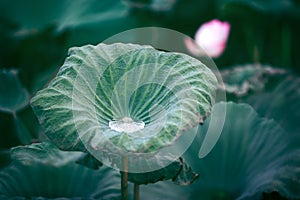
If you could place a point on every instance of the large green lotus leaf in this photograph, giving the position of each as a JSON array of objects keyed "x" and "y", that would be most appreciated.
[
  {"x": 104, "y": 94},
  {"x": 45, "y": 172},
  {"x": 253, "y": 156},
  {"x": 13, "y": 96}
]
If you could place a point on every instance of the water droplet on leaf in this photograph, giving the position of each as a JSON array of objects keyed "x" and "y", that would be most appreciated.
[{"x": 126, "y": 124}]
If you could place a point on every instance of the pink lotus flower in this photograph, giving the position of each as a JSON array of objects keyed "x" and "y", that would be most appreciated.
[{"x": 212, "y": 37}]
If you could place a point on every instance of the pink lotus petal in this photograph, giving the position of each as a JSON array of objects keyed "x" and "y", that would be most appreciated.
[{"x": 212, "y": 37}]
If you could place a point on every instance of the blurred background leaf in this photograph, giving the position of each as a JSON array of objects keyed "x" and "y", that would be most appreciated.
[
  {"x": 273, "y": 92},
  {"x": 252, "y": 157},
  {"x": 178, "y": 171},
  {"x": 14, "y": 97},
  {"x": 41, "y": 171}
]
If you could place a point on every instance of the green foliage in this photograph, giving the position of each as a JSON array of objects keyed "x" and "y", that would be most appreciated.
[
  {"x": 249, "y": 79},
  {"x": 273, "y": 92},
  {"x": 89, "y": 161},
  {"x": 109, "y": 82},
  {"x": 13, "y": 101},
  {"x": 15, "y": 97},
  {"x": 62, "y": 13},
  {"x": 270, "y": 6},
  {"x": 178, "y": 171},
  {"x": 35, "y": 36},
  {"x": 44, "y": 153},
  {"x": 280, "y": 103},
  {"x": 253, "y": 156},
  {"x": 42, "y": 171}
]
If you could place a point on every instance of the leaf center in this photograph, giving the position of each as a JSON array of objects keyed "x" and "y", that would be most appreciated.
[{"x": 126, "y": 124}]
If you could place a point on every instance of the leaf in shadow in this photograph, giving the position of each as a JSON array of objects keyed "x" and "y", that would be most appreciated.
[
  {"x": 178, "y": 171},
  {"x": 165, "y": 173},
  {"x": 13, "y": 99},
  {"x": 89, "y": 161},
  {"x": 45, "y": 46},
  {"x": 45, "y": 153},
  {"x": 251, "y": 149},
  {"x": 62, "y": 13},
  {"x": 41, "y": 171},
  {"x": 13, "y": 96},
  {"x": 157, "y": 6},
  {"x": 186, "y": 175},
  {"x": 280, "y": 103},
  {"x": 273, "y": 92},
  {"x": 241, "y": 7},
  {"x": 253, "y": 156},
  {"x": 23, "y": 133},
  {"x": 4, "y": 158}
]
